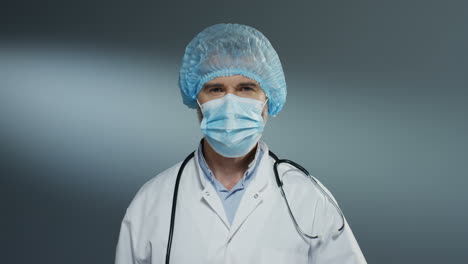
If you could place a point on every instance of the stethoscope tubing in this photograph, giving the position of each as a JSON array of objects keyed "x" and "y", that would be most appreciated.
[
  {"x": 278, "y": 182},
  {"x": 174, "y": 205}
]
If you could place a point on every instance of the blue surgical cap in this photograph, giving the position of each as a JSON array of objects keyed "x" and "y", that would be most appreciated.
[{"x": 230, "y": 49}]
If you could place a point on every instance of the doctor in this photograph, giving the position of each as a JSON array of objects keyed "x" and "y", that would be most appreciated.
[{"x": 227, "y": 207}]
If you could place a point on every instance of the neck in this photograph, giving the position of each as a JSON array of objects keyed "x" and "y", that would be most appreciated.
[{"x": 228, "y": 171}]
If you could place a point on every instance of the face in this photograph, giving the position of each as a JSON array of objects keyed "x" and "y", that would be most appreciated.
[{"x": 238, "y": 85}]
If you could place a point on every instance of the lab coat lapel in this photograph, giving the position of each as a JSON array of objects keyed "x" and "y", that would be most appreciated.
[
  {"x": 210, "y": 196},
  {"x": 254, "y": 194},
  {"x": 212, "y": 199}
]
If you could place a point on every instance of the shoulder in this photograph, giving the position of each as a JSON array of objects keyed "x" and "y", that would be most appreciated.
[
  {"x": 161, "y": 180},
  {"x": 151, "y": 191},
  {"x": 291, "y": 172},
  {"x": 307, "y": 189}
]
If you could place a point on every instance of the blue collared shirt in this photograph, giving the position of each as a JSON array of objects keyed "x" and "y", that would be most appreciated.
[{"x": 231, "y": 198}]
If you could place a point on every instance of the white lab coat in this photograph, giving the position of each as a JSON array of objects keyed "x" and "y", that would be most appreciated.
[{"x": 261, "y": 232}]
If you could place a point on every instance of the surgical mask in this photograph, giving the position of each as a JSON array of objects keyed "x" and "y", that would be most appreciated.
[{"x": 232, "y": 125}]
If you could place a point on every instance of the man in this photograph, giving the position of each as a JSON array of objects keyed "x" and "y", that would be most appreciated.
[{"x": 224, "y": 204}]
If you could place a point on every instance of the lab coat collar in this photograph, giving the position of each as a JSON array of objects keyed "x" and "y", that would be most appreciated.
[{"x": 251, "y": 199}]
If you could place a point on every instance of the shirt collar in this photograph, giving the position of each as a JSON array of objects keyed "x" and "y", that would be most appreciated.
[{"x": 251, "y": 167}]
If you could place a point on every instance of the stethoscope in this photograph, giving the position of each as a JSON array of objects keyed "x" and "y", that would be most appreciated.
[{"x": 279, "y": 182}]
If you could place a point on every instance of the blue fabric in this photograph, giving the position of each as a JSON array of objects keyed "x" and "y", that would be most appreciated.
[
  {"x": 230, "y": 49},
  {"x": 231, "y": 198},
  {"x": 232, "y": 125}
]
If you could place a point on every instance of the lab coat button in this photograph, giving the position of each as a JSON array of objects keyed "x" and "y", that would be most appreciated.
[{"x": 256, "y": 195}]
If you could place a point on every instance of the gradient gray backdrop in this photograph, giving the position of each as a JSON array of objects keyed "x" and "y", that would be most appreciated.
[{"x": 376, "y": 109}]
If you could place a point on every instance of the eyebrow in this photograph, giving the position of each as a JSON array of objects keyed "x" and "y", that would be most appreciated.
[
  {"x": 212, "y": 85},
  {"x": 248, "y": 84}
]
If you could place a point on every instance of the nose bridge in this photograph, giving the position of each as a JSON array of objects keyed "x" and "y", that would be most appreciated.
[
  {"x": 231, "y": 89},
  {"x": 229, "y": 104}
]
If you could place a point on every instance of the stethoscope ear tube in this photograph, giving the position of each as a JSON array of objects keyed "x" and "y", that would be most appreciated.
[{"x": 279, "y": 161}]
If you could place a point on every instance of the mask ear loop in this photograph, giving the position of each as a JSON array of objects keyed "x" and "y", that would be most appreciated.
[
  {"x": 199, "y": 105},
  {"x": 265, "y": 103}
]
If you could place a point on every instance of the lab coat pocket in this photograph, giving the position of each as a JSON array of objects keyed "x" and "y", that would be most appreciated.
[{"x": 282, "y": 256}]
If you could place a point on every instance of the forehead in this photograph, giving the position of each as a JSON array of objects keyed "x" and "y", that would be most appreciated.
[{"x": 232, "y": 80}]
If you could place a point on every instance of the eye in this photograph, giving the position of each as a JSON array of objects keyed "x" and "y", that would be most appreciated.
[
  {"x": 215, "y": 90},
  {"x": 247, "y": 88}
]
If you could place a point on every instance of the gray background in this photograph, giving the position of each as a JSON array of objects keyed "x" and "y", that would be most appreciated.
[{"x": 90, "y": 110}]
